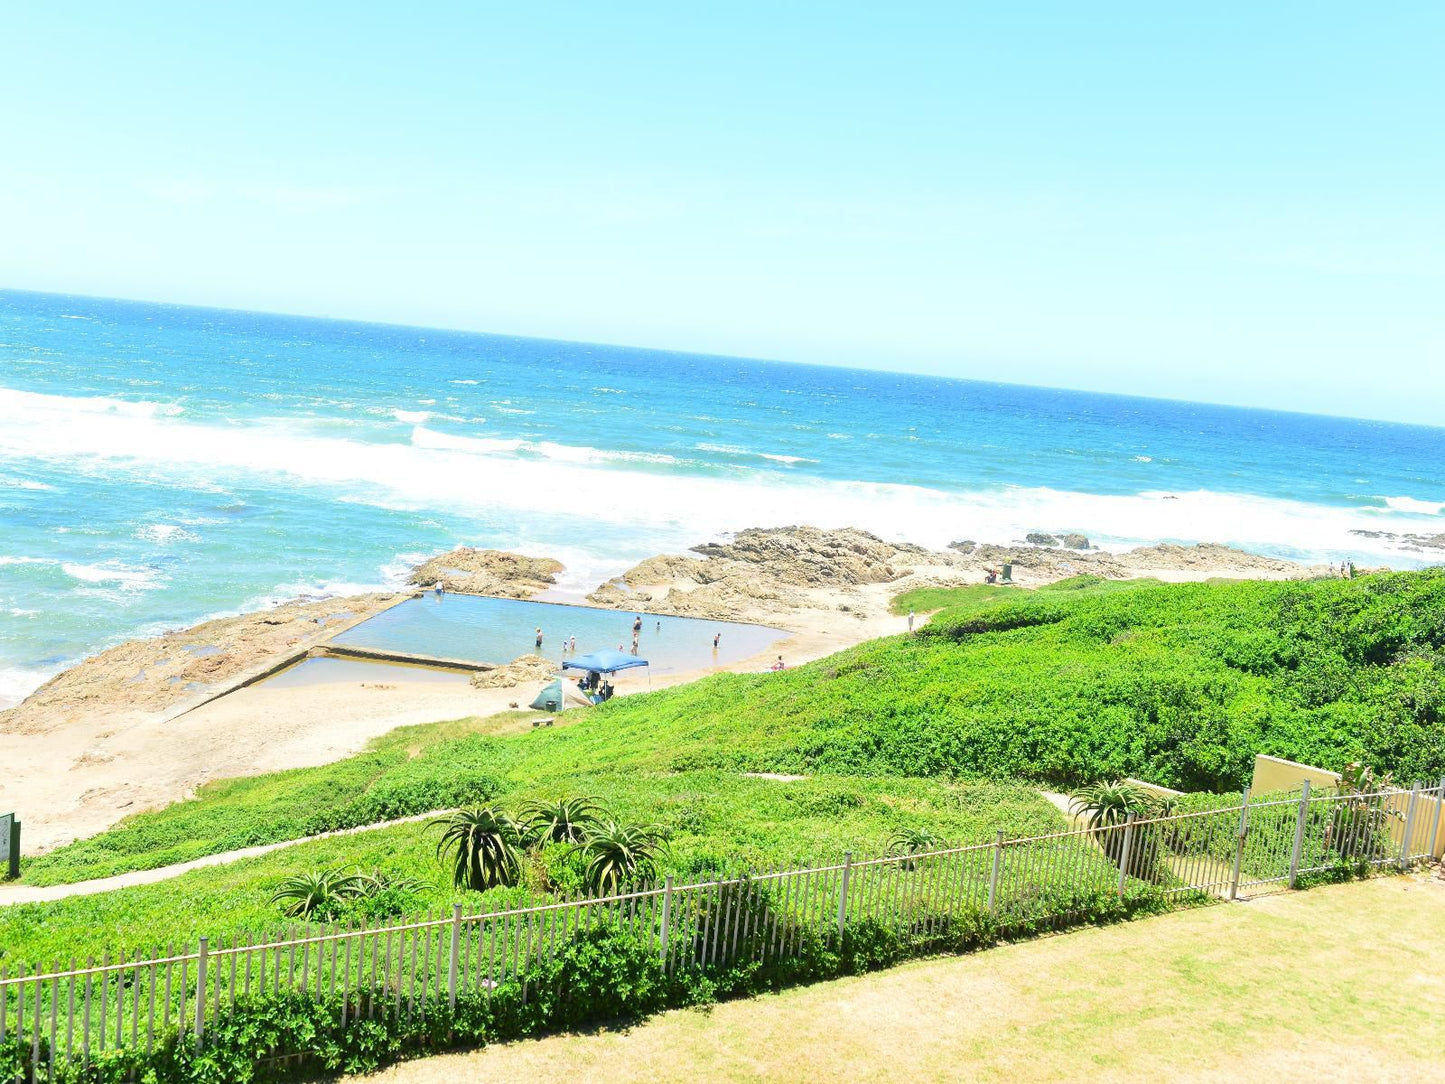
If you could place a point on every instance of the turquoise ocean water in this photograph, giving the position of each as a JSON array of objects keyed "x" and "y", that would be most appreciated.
[{"x": 160, "y": 464}]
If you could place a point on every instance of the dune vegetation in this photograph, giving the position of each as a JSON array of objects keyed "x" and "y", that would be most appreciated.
[{"x": 950, "y": 730}]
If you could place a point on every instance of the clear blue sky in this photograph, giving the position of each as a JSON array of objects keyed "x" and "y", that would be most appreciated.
[{"x": 1232, "y": 202}]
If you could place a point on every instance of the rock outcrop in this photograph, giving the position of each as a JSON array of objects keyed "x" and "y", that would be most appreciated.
[
  {"x": 761, "y": 569},
  {"x": 810, "y": 557},
  {"x": 161, "y": 673},
  {"x": 524, "y": 670},
  {"x": 487, "y": 572}
]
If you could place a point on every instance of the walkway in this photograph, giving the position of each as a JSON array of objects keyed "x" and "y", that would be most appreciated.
[{"x": 23, "y": 893}]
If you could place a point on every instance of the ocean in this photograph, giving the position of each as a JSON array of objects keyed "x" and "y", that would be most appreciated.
[{"x": 161, "y": 464}]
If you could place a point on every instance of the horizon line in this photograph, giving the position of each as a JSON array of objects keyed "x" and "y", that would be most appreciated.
[{"x": 327, "y": 318}]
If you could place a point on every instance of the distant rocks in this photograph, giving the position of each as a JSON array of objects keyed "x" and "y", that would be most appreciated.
[
  {"x": 1407, "y": 541},
  {"x": 810, "y": 557},
  {"x": 524, "y": 670},
  {"x": 487, "y": 572},
  {"x": 1072, "y": 541},
  {"x": 761, "y": 569}
]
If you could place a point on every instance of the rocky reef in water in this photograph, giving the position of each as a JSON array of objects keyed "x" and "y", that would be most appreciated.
[
  {"x": 767, "y": 569},
  {"x": 487, "y": 572}
]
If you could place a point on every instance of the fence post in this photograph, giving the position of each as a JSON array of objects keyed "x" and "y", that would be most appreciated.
[
  {"x": 666, "y": 920},
  {"x": 1299, "y": 833},
  {"x": 993, "y": 877},
  {"x": 843, "y": 894},
  {"x": 1239, "y": 848},
  {"x": 1435, "y": 831},
  {"x": 1409, "y": 827},
  {"x": 200, "y": 991},
  {"x": 1124, "y": 854},
  {"x": 456, "y": 951}
]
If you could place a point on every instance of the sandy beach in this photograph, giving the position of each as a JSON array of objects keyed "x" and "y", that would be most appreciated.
[{"x": 96, "y": 744}]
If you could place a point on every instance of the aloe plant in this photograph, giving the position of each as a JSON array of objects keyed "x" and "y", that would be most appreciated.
[
  {"x": 318, "y": 894},
  {"x": 1106, "y": 805},
  {"x": 376, "y": 882},
  {"x": 618, "y": 853},
  {"x": 912, "y": 841},
  {"x": 481, "y": 845},
  {"x": 564, "y": 821}
]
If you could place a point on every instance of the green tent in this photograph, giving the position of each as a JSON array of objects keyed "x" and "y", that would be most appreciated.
[{"x": 550, "y": 698}]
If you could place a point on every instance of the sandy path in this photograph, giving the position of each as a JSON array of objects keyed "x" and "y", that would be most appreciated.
[{"x": 19, "y": 893}]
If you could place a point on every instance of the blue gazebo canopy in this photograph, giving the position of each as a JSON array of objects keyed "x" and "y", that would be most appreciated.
[{"x": 603, "y": 662}]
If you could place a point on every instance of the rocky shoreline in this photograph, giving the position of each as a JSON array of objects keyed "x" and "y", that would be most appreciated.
[
  {"x": 149, "y": 721},
  {"x": 759, "y": 574}
]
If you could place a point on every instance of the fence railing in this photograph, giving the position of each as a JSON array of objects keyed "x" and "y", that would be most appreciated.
[{"x": 79, "y": 1012}]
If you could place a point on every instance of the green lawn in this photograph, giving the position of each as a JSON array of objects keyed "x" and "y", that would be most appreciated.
[{"x": 1338, "y": 983}]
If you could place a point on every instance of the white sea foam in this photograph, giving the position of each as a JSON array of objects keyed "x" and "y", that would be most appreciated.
[
  {"x": 733, "y": 449},
  {"x": 1411, "y": 505},
  {"x": 396, "y": 571},
  {"x": 125, "y": 577},
  {"x": 411, "y": 417},
  {"x": 13, "y": 402},
  {"x": 319, "y": 589},
  {"x": 464, "y": 382},
  {"x": 525, "y": 482},
  {"x": 164, "y": 534},
  {"x": 8, "y": 482},
  {"x": 17, "y": 682},
  {"x": 430, "y": 438}
]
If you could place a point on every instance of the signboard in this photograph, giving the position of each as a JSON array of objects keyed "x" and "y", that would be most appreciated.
[{"x": 10, "y": 845}]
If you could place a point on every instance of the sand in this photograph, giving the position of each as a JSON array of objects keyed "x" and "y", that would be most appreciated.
[{"x": 76, "y": 765}]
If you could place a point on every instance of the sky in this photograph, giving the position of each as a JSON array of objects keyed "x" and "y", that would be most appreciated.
[{"x": 1232, "y": 202}]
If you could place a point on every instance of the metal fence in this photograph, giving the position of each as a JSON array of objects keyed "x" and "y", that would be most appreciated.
[{"x": 80, "y": 1012}]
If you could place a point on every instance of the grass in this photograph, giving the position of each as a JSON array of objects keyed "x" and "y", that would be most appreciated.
[
  {"x": 927, "y": 600},
  {"x": 979, "y": 596},
  {"x": 1178, "y": 684},
  {"x": 719, "y": 821},
  {"x": 1349, "y": 987}
]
